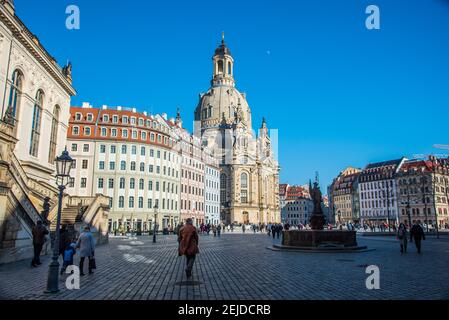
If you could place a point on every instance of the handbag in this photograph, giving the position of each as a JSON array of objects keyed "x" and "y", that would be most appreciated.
[{"x": 92, "y": 263}]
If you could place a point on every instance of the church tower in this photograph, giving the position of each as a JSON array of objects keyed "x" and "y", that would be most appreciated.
[
  {"x": 248, "y": 172},
  {"x": 223, "y": 73}
]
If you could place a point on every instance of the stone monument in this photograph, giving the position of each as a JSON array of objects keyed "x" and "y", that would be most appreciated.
[{"x": 317, "y": 239}]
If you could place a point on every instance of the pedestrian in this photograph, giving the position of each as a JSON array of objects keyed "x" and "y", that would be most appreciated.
[
  {"x": 279, "y": 230},
  {"x": 287, "y": 226},
  {"x": 39, "y": 232},
  {"x": 86, "y": 244},
  {"x": 269, "y": 226},
  {"x": 273, "y": 230},
  {"x": 188, "y": 245},
  {"x": 243, "y": 228},
  {"x": 417, "y": 234},
  {"x": 64, "y": 240},
  {"x": 402, "y": 237},
  {"x": 214, "y": 230},
  {"x": 68, "y": 254}
]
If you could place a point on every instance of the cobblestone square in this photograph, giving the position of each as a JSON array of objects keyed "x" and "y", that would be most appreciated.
[{"x": 239, "y": 266}]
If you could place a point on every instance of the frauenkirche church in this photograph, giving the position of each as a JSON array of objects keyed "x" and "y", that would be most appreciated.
[{"x": 249, "y": 180}]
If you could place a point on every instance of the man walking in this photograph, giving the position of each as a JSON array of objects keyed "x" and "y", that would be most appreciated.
[
  {"x": 417, "y": 234},
  {"x": 402, "y": 236},
  {"x": 219, "y": 229},
  {"x": 39, "y": 232},
  {"x": 188, "y": 245}
]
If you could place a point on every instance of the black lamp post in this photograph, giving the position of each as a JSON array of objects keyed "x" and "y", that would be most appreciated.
[
  {"x": 155, "y": 224},
  {"x": 63, "y": 166}
]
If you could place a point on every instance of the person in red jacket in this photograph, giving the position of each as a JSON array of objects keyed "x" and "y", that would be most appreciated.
[{"x": 188, "y": 245}]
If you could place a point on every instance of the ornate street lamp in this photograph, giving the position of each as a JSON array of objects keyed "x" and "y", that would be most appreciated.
[
  {"x": 155, "y": 223},
  {"x": 64, "y": 164}
]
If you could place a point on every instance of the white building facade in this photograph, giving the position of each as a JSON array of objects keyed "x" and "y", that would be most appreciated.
[
  {"x": 211, "y": 188},
  {"x": 378, "y": 192},
  {"x": 131, "y": 158},
  {"x": 297, "y": 211},
  {"x": 35, "y": 95},
  {"x": 36, "y": 92}
]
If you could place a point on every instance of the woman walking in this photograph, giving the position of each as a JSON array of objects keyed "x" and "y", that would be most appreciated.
[{"x": 86, "y": 244}]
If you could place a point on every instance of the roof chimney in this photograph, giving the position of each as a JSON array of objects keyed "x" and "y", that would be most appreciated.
[{"x": 86, "y": 105}]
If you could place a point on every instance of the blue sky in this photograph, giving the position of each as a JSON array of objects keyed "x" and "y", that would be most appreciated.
[{"x": 339, "y": 94}]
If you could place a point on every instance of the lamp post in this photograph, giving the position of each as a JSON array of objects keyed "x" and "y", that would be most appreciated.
[
  {"x": 155, "y": 223},
  {"x": 63, "y": 166}
]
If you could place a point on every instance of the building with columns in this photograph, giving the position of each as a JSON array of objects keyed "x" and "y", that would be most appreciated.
[
  {"x": 249, "y": 171},
  {"x": 35, "y": 95}
]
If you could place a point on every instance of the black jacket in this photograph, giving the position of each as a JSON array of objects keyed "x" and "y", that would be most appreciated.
[{"x": 417, "y": 233}]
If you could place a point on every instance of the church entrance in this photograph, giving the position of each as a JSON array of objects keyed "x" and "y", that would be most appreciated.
[{"x": 245, "y": 217}]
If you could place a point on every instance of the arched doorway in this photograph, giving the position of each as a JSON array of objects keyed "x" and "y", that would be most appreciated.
[{"x": 245, "y": 217}]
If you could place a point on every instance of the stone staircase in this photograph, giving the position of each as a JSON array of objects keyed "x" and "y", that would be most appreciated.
[
  {"x": 78, "y": 212},
  {"x": 20, "y": 200}
]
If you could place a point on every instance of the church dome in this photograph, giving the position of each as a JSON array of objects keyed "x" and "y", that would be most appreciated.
[{"x": 222, "y": 102}]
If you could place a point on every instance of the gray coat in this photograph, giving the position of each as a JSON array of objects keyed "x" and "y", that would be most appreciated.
[{"x": 86, "y": 244}]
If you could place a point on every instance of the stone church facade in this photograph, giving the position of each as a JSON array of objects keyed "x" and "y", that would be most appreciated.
[{"x": 249, "y": 171}]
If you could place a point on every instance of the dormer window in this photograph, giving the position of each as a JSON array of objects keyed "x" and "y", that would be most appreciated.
[
  {"x": 78, "y": 116},
  {"x": 133, "y": 120},
  {"x": 106, "y": 118},
  {"x": 87, "y": 131},
  {"x": 103, "y": 132},
  {"x": 76, "y": 130},
  {"x": 141, "y": 122},
  {"x": 115, "y": 119},
  {"x": 124, "y": 133},
  {"x": 134, "y": 134},
  {"x": 125, "y": 119}
]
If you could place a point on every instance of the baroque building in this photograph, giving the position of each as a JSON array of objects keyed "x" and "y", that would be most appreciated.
[
  {"x": 34, "y": 111},
  {"x": 249, "y": 171}
]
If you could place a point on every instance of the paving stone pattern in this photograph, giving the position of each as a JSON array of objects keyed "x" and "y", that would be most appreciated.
[{"x": 239, "y": 266}]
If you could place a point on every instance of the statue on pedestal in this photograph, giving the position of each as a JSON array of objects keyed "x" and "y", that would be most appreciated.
[{"x": 317, "y": 219}]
